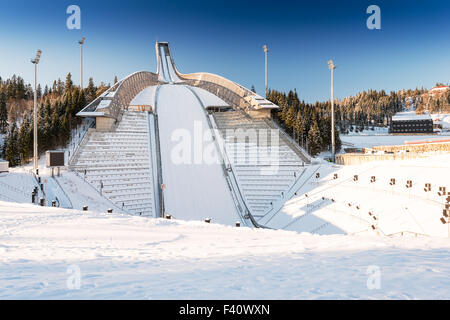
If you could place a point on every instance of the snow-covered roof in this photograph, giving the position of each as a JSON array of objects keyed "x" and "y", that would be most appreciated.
[
  {"x": 440, "y": 88},
  {"x": 103, "y": 104},
  {"x": 110, "y": 94},
  {"x": 208, "y": 99},
  {"x": 259, "y": 102},
  {"x": 410, "y": 116}
]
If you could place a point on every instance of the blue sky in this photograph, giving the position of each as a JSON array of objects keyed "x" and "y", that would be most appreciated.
[{"x": 411, "y": 50}]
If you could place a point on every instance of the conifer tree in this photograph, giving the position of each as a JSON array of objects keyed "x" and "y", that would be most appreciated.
[
  {"x": 3, "y": 114},
  {"x": 69, "y": 84},
  {"x": 299, "y": 127},
  {"x": 290, "y": 117},
  {"x": 24, "y": 140},
  {"x": 90, "y": 91},
  {"x": 11, "y": 153},
  {"x": 314, "y": 140}
]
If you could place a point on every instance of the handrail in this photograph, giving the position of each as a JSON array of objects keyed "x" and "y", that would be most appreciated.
[
  {"x": 80, "y": 141},
  {"x": 64, "y": 192},
  {"x": 307, "y": 158},
  {"x": 158, "y": 156},
  {"x": 225, "y": 171},
  {"x": 407, "y": 232},
  {"x": 153, "y": 164},
  {"x": 125, "y": 90},
  {"x": 104, "y": 197},
  {"x": 280, "y": 207}
]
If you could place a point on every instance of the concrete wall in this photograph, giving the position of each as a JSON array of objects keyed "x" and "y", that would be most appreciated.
[
  {"x": 258, "y": 114},
  {"x": 358, "y": 158},
  {"x": 425, "y": 147},
  {"x": 399, "y": 153}
]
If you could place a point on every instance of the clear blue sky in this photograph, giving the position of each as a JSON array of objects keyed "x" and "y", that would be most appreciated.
[{"x": 411, "y": 50}]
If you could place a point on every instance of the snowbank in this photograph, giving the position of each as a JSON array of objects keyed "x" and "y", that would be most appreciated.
[{"x": 124, "y": 257}]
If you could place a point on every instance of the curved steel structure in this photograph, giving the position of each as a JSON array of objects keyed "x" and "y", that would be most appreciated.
[{"x": 119, "y": 96}]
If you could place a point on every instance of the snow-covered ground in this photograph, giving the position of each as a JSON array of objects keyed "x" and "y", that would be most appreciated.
[
  {"x": 443, "y": 120},
  {"x": 368, "y": 132},
  {"x": 68, "y": 189},
  {"x": 2, "y": 140},
  {"x": 45, "y": 251},
  {"x": 355, "y": 203},
  {"x": 369, "y": 141}
]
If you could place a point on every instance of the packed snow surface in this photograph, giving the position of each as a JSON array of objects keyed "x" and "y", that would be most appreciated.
[
  {"x": 145, "y": 97},
  {"x": 336, "y": 203},
  {"x": 195, "y": 184},
  {"x": 42, "y": 251},
  {"x": 208, "y": 99}
]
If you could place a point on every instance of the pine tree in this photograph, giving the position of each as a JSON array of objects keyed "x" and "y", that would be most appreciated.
[
  {"x": 300, "y": 128},
  {"x": 24, "y": 140},
  {"x": 314, "y": 140},
  {"x": 253, "y": 89},
  {"x": 65, "y": 130},
  {"x": 46, "y": 128},
  {"x": 12, "y": 154},
  {"x": 3, "y": 114},
  {"x": 115, "y": 79},
  {"x": 69, "y": 84},
  {"x": 290, "y": 117},
  {"x": 55, "y": 127},
  {"x": 39, "y": 91},
  {"x": 90, "y": 91}
]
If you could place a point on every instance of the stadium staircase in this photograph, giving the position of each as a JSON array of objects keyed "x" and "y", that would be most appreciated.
[
  {"x": 266, "y": 171},
  {"x": 118, "y": 164}
]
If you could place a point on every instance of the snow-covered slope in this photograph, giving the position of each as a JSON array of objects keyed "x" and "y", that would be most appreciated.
[
  {"x": 326, "y": 205},
  {"x": 195, "y": 184},
  {"x": 43, "y": 250}
]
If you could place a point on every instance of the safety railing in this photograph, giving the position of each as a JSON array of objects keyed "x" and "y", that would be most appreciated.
[{"x": 124, "y": 92}]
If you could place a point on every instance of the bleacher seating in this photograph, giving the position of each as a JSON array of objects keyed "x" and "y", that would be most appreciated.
[
  {"x": 120, "y": 160},
  {"x": 265, "y": 170}
]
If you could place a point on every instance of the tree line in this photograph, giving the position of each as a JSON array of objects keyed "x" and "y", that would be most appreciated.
[
  {"x": 308, "y": 124},
  {"x": 371, "y": 108},
  {"x": 57, "y": 109}
]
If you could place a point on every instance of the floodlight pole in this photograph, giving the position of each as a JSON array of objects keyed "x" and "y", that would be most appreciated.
[
  {"x": 266, "y": 50},
  {"x": 81, "y": 42},
  {"x": 331, "y": 66},
  {"x": 35, "y": 61}
]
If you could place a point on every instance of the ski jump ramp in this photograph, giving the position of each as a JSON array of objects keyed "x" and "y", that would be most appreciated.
[{"x": 192, "y": 172}]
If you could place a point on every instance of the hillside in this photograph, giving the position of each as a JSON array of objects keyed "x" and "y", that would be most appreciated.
[{"x": 124, "y": 257}]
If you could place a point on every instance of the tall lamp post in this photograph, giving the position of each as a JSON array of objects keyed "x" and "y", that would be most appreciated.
[
  {"x": 266, "y": 50},
  {"x": 81, "y": 42},
  {"x": 35, "y": 61},
  {"x": 331, "y": 66}
]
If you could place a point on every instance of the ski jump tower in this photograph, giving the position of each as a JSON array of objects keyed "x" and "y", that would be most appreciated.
[{"x": 126, "y": 156}]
